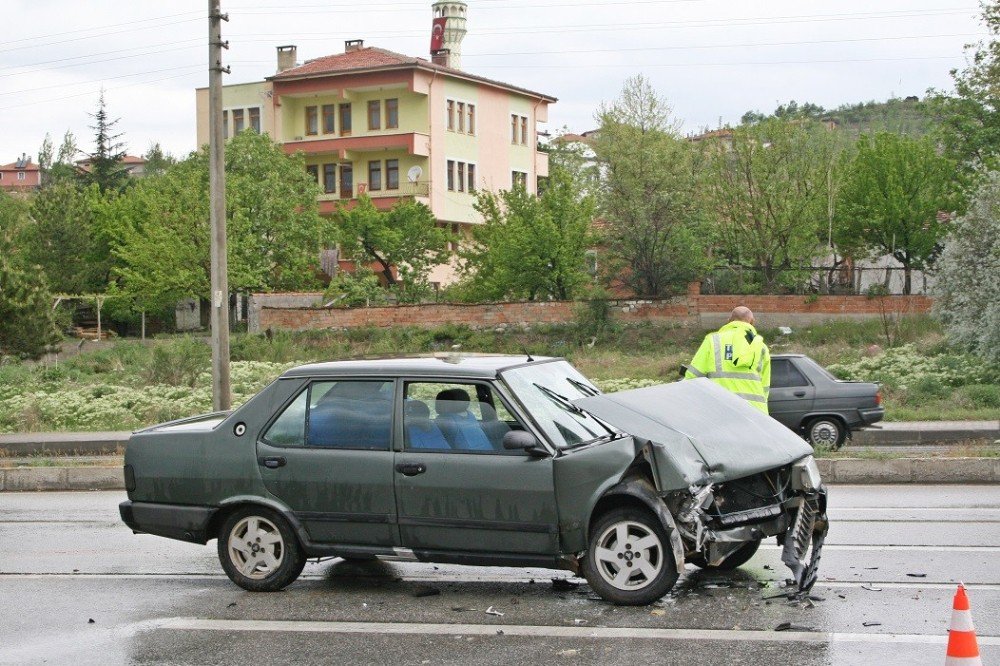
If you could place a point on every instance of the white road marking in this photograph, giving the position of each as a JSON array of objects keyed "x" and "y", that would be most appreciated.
[
  {"x": 415, "y": 628},
  {"x": 899, "y": 546}
]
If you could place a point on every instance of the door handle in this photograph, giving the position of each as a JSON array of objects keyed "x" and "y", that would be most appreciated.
[
  {"x": 272, "y": 462},
  {"x": 799, "y": 394},
  {"x": 411, "y": 469}
]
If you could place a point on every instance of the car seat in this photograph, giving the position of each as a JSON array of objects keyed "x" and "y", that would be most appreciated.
[
  {"x": 352, "y": 415},
  {"x": 459, "y": 426},
  {"x": 421, "y": 432}
]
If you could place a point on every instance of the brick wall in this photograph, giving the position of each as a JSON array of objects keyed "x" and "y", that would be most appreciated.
[{"x": 287, "y": 312}]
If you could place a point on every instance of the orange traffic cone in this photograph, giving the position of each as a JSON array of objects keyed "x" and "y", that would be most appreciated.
[{"x": 963, "y": 650}]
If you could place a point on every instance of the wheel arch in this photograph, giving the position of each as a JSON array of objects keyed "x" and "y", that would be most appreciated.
[
  {"x": 638, "y": 490},
  {"x": 232, "y": 504}
]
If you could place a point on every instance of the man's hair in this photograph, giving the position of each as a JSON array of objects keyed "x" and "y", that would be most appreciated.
[{"x": 741, "y": 313}]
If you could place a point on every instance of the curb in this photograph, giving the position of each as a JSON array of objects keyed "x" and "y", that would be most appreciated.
[{"x": 834, "y": 471}]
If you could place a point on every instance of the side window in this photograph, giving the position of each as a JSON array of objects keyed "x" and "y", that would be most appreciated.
[
  {"x": 460, "y": 417},
  {"x": 343, "y": 414},
  {"x": 784, "y": 374}
]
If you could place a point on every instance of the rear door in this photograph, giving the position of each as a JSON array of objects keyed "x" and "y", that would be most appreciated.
[
  {"x": 457, "y": 489},
  {"x": 328, "y": 456},
  {"x": 792, "y": 395}
]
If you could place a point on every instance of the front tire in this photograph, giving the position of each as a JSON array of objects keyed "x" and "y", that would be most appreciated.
[
  {"x": 259, "y": 551},
  {"x": 629, "y": 561},
  {"x": 737, "y": 558},
  {"x": 826, "y": 433}
]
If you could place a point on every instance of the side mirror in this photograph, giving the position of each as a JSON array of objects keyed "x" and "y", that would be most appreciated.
[{"x": 521, "y": 440}]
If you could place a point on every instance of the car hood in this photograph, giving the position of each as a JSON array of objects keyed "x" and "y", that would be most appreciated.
[{"x": 698, "y": 432}]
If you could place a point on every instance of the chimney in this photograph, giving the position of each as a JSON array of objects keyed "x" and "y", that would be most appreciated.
[
  {"x": 353, "y": 45},
  {"x": 286, "y": 57},
  {"x": 440, "y": 57}
]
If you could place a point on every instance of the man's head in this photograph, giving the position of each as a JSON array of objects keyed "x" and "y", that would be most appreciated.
[{"x": 742, "y": 313}]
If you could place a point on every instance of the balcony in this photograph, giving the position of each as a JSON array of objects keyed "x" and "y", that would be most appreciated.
[
  {"x": 413, "y": 143},
  {"x": 383, "y": 198}
]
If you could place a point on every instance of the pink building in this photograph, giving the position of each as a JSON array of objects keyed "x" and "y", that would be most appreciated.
[{"x": 20, "y": 176}]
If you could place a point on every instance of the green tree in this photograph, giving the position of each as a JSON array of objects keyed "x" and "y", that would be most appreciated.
[
  {"x": 890, "y": 200},
  {"x": 157, "y": 161},
  {"x": 769, "y": 195},
  {"x": 107, "y": 169},
  {"x": 654, "y": 222},
  {"x": 533, "y": 247},
  {"x": 27, "y": 320},
  {"x": 405, "y": 239},
  {"x": 967, "y": 292},
  {"x": 57, "y": 167},
  {"x": 159, "y": 228}
]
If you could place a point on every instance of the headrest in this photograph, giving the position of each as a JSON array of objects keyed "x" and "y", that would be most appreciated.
[
  {"x": 415, "y": 409},
  {"x": 452, "y": 401}
]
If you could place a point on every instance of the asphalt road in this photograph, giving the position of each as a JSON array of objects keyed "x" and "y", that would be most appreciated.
[{"x": 77, "y": 587}]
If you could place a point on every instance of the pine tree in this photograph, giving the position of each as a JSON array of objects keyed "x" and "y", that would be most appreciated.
[{"x": 107, "y": 168}]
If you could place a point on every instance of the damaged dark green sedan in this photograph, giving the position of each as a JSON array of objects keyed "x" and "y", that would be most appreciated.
[{"x": 486, "y": 460}]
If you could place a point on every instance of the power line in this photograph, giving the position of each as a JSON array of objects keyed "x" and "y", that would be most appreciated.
[
  {"x": 95, "y": 62},
  {"x": 94, "y": 92},
  {"x": 112, "y": 25},
  {"x": 106, "y": 78},
  {"x": 727, "y": 64},
  {"x": 95, "y": 36}
]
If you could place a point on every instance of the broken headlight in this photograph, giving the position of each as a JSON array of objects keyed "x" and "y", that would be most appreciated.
[{"x": 805, "y": 475}]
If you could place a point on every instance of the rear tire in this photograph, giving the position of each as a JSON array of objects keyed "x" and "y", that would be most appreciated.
[
  {"x": 629, "y": 561},
  {"x": 826, "y": 432},
  {"x": 737, "y": 558},
  {"x": 259, "y": 551}
]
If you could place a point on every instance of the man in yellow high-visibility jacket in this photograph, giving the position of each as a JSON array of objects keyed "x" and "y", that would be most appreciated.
[{"x": 736, "y": 358}]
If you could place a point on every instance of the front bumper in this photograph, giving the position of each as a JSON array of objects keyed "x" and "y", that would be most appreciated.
[
  {"x": 174, "y": 521},
  {"x": 803, "y": 542}
]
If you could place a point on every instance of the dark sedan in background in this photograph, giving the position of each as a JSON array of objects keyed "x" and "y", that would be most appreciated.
[{"x": 812, "y": 402}]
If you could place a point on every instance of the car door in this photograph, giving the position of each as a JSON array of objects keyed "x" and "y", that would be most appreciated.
[
  {"x": 457, "y": 489},
  {"x": 328, "y": 456},
  {"x": 791, "y": 396}
]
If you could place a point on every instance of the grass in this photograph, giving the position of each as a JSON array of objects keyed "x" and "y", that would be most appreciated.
[
  {"x": 974, "y": 449},
  {"x": 132, "y": 384}
]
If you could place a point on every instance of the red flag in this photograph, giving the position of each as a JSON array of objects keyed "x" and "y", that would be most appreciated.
[{"x": 437, "y": 34}]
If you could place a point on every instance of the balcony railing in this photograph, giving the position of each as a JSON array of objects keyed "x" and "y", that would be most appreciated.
[{"x": 407, "y": 189}]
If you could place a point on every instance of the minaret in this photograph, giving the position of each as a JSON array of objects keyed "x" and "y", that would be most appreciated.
[{"x": 454, "y": 13}]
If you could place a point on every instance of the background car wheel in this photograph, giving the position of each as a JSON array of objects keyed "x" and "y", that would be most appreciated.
[
  {"x": 629, "y": 561},
  {"x": 826, "y": 433},
  {"x": 259, "y": 551},
  {"x": 737, "y": 558}
]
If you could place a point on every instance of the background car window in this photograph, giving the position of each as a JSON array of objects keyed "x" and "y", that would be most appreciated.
[
  {"x": 784, "y": 374},
  {"x": 455, "y": 417},
  {"x": 350, "y": 415},
  {"x": 289, "y": 429}
]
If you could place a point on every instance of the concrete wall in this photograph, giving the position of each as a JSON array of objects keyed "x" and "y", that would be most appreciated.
[{"x": 707, "y": 311}]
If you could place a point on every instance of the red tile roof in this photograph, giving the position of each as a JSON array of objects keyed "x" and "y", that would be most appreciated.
[
  {"x": 13, "y": 166},
  {"x": 372, "y": 58}
]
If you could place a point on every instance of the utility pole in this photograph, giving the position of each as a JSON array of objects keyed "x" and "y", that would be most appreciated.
[{"x": 221, "y": 393}]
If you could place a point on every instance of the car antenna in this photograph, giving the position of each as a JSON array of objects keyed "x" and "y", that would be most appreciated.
[{"x": 527, "y": 353}]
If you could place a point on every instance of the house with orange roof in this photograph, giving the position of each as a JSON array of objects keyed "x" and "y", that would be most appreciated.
[
  {"x": 21, "y": 175},
  {"x": 396, "y": 127}
]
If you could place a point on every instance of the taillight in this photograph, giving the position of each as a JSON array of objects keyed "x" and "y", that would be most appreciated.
[{"x": 878, "y": 398}]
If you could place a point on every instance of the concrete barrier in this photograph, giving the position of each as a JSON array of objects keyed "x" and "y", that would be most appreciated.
[{"x": 61, "y": 478}]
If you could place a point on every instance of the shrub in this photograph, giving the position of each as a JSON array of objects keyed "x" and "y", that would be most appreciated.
[
  {"x": 983, "y": 395},
  {"x": 178, "y": 362}
]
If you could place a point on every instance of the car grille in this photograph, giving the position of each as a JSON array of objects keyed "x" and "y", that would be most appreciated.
[{"x": 751, "y": 499}]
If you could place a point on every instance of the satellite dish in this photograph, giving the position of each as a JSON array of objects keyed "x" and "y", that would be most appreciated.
[{"x": 413, "y": 175}]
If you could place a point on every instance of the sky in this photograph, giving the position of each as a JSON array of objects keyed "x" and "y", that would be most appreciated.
[{"x": 713, "y": 60}]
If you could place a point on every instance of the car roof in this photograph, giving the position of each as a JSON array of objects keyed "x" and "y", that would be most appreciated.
[
  {"x": 469, "y": 366},
  {"x": 789, "y": 356}
]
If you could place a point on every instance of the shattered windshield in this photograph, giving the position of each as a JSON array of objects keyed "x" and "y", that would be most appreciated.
[{"x": 547, "y": 392}]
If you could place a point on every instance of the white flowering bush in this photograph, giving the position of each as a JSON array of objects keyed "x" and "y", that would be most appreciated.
[
  {"x": 902, "y": 367},
  {"x": 108, "y": 406},
  {"x": 624, "y": 384}
]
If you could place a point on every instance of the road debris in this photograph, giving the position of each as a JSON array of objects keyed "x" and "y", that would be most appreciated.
[
  {"x": 493, "y": 611},
  {"x": 91, "y": 621},
  {"x": 871, "y": 624},
  {"x": 658, "y": 612},
  {"x": 568, "y": 653},
  {"x": 788, "y": 626},
  {"x": 564, "y": 584},
  {"x": 463, "y": 609},
  {"x": 870, "y": 587},
  {"x": 917, "y": 575},
  {"x": 426, "y": 592}
]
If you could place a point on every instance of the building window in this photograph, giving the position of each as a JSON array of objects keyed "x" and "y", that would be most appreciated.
[
  {"x": 225, "y": 124},
  {"x": 312, "y": 121},
  {"x": 346, "y": 181},
  {"x": 472, "y": 177},
  {"x": 330, "y": 178},
  {"x": 392, "y": 113},
  {"x": 451, "y": 175},
  {"x": 237, "y": 121},
  {"x": 518, "y": 179},
  {"x": 345, "y": 118},
  {"x": 461, "y": 176},
  {"x": 20, "y": 175},
  {"x": 524, "y": 130},
  {"x": 472, "y": 119},
  {"x": 254, "y": 114},
  {"x": 375, "y": 114},
  {"x": 451, "y": 115},
  {"x": 461, "y": 117},
  {"x": 375, "y": 175},
  {"x": 513, "y": 128},
  {"x": 392, "y": 174},
  {"x": 329, "y": 118},
  {"x": 313, "y": 171}
]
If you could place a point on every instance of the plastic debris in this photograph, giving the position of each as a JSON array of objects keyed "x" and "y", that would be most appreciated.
[
  {"x": 917, "y": 575},
  {"x": 658, "y": 612},
  {"x": 91, "y": 621},
  {"x": 493, "y": 611},
  {"x": 871, "y": 588},
  {"x": 788, "y": 626},
  {"x": 871, "y": 624},
  {"x": 463, "y": 609},
  {"x": 568, "y": 653}
]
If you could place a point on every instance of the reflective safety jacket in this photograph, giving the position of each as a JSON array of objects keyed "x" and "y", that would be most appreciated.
[{"x": 736, "y": 358}]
